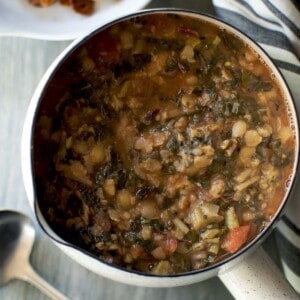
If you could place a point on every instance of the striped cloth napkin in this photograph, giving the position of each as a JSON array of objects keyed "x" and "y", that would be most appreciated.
[{"x": 275, "y": 25}]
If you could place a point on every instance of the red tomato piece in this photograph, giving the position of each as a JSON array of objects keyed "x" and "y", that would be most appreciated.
[
  {"x": 236, "y": 238},
  {"x": 170, "y": 244}
]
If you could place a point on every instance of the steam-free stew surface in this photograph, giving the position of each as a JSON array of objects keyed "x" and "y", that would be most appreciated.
[{"x": 162, "y": 145}]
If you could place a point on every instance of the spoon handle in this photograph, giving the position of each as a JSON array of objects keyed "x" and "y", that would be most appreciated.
[{"x": 32, "y": 277}]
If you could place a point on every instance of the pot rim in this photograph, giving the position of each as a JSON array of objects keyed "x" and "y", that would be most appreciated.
[{"x": 58, "y": 62}]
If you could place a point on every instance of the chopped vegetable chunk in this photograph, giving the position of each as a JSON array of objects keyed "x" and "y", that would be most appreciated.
[{"x": 236, "y": 238}]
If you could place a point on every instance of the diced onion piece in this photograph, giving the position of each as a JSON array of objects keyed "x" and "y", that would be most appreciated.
[
  {"x": 178, "y": 234},
  {"x": 158, "y": 253},
  {"x": 197, "y": 218},
  {"x": 210, "y": 233},
  {"x": 213, "y": 240},
  {"x": 179, "y": 224},
  {"x": 188, "y": 54},
  {"x": 231, "y": 218},
  {"x": 204, "y": 215},
  {"x": 246, "y": 183},
  {"x": 162, "y": 268},
  {"x": 210, "y": 209},
  {"x": 252, "y": 138}
]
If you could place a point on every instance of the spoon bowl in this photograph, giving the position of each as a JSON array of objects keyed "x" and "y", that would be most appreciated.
[{"x": 16, "y": 239}]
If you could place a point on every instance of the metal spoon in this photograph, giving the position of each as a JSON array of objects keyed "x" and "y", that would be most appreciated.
[{"x": 16, "y": 240}]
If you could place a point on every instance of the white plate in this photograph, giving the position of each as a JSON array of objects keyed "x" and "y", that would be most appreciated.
[{"x": 59, "y": 22}]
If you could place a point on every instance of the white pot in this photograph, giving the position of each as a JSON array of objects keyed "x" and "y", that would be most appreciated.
[{"x": 251, "y": 277}]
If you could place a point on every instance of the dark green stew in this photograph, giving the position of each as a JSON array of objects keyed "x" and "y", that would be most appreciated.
[{"x": 162, "y": 145}]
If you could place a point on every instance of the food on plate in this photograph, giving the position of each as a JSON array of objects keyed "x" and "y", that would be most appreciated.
[
  {"x": 42, "y": 3},
  {"x": 162, "y": 145},
  {"x": 85, "y": 7}
]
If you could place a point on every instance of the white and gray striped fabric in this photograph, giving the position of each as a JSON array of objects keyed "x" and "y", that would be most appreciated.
[{"x": 275, "y": 25}]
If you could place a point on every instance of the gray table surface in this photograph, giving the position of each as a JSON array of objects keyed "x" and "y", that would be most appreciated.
[{"x": 22, "y": 63}]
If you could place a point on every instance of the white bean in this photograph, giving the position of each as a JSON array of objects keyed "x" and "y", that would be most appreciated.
[
  {"x": 252, "y": 138},
  {"x": 239, "y": 128}
]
